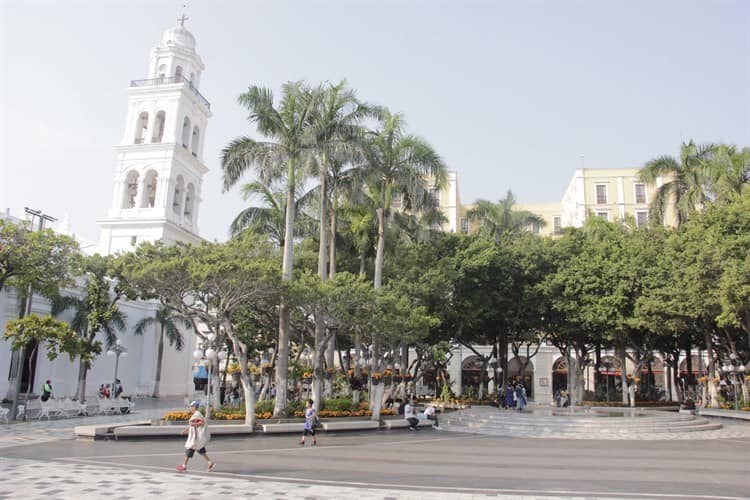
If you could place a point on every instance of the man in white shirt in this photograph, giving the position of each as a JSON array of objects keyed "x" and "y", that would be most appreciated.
[
  {"x": 430, "y": 413},
  {"x": 410, "y": 415}
]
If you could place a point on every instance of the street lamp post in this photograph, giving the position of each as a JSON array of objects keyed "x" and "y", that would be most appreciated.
[
  {"x": 205, "y": 351},
  {"x": 116, "y": 350}
]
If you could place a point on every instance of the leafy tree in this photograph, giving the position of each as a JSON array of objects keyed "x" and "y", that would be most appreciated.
[
  {"x": 169, "y": 326},
  {"x": 34, "y": 262},
  {"x": 56, "y": 337},
  {"x": 212, "y": 284},
  {"x": 95, "y": 310},
  {"x": 43, "y": 259}
]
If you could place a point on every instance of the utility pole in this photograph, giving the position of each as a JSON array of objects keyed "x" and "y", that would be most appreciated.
[{"x": 27, "y": 311}]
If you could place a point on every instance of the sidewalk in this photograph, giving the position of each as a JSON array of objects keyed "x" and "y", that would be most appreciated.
[{"x": 43, "y": 431}]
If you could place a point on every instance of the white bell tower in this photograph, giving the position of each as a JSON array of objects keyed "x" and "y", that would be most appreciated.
[{"x": 160, "y": 167}]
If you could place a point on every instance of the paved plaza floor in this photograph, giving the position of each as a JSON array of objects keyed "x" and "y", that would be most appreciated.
[{"x": 42, "y": 460}]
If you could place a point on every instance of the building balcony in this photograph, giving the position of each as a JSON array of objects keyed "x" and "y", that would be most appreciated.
[{"x": 170, "y": 80}]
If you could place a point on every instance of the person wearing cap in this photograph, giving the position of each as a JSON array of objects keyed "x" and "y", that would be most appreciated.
[{"x": 198, "y": 437}]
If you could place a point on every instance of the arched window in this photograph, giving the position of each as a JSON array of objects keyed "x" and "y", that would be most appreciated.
[
  {"x": 185, "y": 132},
  {"x": 179, "y": 188},
  {"x": 130, "y": 191},
  {"x": 195, "y": 140},
  {"x": 149, "y": 187},
  {"x": 162, "y": 71},
  {"x": 521, "y": 369},
  {"x": 159, "y": 126},
  {"x": 140, "y": 127},
  {"x": 189, "y": 200},
  {"x": 178, "y": 74}
]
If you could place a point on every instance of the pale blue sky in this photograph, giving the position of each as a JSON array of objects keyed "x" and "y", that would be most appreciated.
[{"x": 511, "y": 94}]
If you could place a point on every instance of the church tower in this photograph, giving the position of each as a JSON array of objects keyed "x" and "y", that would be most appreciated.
[{"x": 160, "y": 167}]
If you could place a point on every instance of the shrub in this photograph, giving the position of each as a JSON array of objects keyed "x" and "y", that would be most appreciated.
[
  {"x": 264, "y": 406},
  {"x": 338, "y": 404},
  {"x": 293, "y": 407}
]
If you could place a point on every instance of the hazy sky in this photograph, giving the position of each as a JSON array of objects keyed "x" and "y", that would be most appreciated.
[{"x": 511, "y": 94}]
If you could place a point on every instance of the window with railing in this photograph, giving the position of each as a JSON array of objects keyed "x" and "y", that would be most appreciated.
[
  {"x": 464, "y": 225},
  {"x": 603, "y": 215},
  {"x": 435, "y": 197},
  {"x": 641, "y": 218},
  {"x": 601, "y": 194},
  {"x": 640, "y": 193}
]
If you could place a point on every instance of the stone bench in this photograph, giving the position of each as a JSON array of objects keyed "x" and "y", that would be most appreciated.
[
  {"x": 351, "y": 425},
  {"x": 176, "y": 430},
  {"x": 99, "y": 431},
  {"x": 401, "y": 423},
  {"x": 283, "y": 428}
]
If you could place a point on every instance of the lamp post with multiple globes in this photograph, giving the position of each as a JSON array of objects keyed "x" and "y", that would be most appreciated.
[
  {"x": 205, "y": 352},
  {"x": 116, "y": 350}
]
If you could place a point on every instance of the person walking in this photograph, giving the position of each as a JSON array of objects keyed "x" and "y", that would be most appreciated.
[
  {"x": 410, "y": 415},
  {"x": 311, "y": 420},
  {"x": 47, "y": 390},
  {"x": 521, "y": 396},
  {"x": 197, "y": 438},
  {"x": 509, "y": 396}
]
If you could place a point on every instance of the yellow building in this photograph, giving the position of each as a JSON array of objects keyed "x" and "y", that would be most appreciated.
[{"x": 610, "y": 193}]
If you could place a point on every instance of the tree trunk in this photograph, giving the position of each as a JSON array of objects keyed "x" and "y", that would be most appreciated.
[
  {"x": 318, "y": 366},
  {"x": 215, "y": 384},
  {"x": 332, "y": 241},
  {"x": 282, "y": 362},
  {"x": 380, "y": 253},
  {"x": 159, "y": 357},
  {"x": 712, "y": 389},
  {"x": 624, "y": 375},
  {"x": 249, "y": 392},
  {"x": 81, "y": 390}
]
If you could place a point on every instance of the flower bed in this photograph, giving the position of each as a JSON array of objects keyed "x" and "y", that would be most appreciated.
[
  {"x": 638, "y": 404},
  {"x": 176, "y": 416}
]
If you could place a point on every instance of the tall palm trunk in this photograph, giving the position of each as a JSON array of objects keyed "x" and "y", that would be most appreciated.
[
  {"x": 380, "y": 252},
  {"x": 323, "y": 273},
  {"x": 159, "y": 357},
  {"x": 376, "y": 395},
  {"x": 282, "y": 362}
]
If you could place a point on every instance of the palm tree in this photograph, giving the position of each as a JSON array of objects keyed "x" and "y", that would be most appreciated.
[
  {"x": 168, "y": 322},
  {"x": 282, "y": 156},
  {"x": 85, "y": 307},
  {"x": 397, "y": 164},
  {"x": 498, "y": 220},
  {"x": 687, "y": 180},
  {"x": 729, "y": 169},
  {"x": 336, "y": 131},
  {"x": 269, "y": 219}
]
